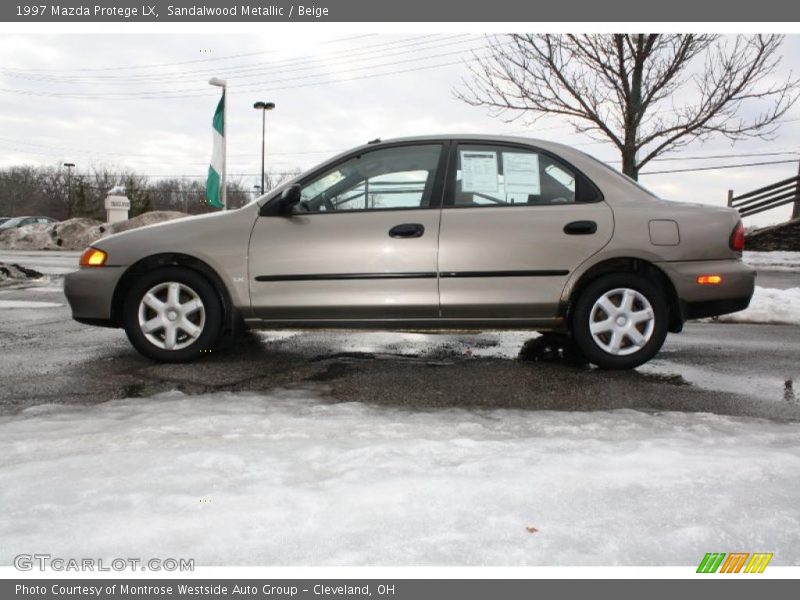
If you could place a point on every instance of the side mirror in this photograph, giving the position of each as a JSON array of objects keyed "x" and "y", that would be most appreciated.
[{"x": 289, "y": 198}]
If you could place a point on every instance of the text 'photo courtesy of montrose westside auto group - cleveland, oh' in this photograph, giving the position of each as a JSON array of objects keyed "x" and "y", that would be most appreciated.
[{"x": 325, "y": 302}]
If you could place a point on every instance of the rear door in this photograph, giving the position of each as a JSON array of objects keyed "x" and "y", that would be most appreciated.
[
  {"x": 515, "y": 223},
  {"x": 361, "y": 245}
]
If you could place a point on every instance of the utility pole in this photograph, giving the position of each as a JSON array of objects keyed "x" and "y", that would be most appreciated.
[{"x": 69, "y": 188}]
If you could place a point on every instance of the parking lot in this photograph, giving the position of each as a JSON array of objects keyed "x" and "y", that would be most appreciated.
[{"x": 724, "y": 368}]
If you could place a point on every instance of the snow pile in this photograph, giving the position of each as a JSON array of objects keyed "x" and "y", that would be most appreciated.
[
  {"x": 773, "y": 261},
  {"x": 76, "y": 234},
  {"x": 14, "y": 273},
  {"x": 769, "y": 306},
  {"x": 242, "y": 479}
]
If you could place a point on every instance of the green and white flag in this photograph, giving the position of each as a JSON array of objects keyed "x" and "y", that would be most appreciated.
[{"x": 214, "y": 183}]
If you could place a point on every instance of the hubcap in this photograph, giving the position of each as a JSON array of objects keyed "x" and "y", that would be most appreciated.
[
  {"x": 171, "y": 315},
  {"x": 621, "y": 321}
]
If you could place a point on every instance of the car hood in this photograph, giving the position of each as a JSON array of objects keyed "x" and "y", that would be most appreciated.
[{"x": 200, "y": 236}]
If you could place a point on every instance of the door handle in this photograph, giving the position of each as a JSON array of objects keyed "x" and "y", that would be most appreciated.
[
  {"x": 580, "y": 228},
  {"x": 407, "y": 230}
]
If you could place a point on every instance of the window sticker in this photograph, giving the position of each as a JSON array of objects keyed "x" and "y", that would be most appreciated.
[
  {"x": 521, "y": 173},
  {"x": 478, "y": 171}
]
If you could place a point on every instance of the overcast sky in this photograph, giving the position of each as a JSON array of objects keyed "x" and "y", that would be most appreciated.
[{"x": 142, "y": 102}]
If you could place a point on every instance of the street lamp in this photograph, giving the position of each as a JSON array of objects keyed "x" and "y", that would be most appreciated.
[
  {"x": 263, "y": 107},
  {"x": 69, "y": 188},
  {"x": 217, "y": 82}
]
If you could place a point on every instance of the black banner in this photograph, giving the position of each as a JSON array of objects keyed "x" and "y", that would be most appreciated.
[
  {"x": 496, "y": 11},
  {"x": 397, "y": 589}
]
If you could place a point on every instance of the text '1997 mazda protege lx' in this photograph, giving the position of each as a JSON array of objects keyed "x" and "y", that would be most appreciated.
[{"x": 447, "y": 232}]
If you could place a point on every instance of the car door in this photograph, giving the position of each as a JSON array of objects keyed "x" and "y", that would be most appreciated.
[
  {"x": 362, "y": 243},
  {"x": 516, "y": 222}
]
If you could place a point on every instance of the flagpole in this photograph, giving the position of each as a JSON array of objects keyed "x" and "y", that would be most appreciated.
[{"x": 215, "y": 81}]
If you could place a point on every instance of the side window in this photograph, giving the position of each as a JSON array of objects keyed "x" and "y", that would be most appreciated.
[
  {"x": 499, "y": 176},
  {"x": 391, "y": 178}
]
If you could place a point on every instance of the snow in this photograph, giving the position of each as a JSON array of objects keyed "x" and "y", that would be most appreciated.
[
  {"x": 773, "y": 261},
  {"x": 288, "y": 478},
  {"x": 76, "y": 234},
  {"x": 769, "y": 306}
]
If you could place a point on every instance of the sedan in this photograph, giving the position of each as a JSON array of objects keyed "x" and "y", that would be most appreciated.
[
  {"x": 13, "y": 223},
  {"x": 445, "y": 232}
]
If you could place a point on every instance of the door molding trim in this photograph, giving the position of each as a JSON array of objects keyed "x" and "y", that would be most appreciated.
[
  {"x": 346, "y": 276},
  {"x": 413, "y": 275},
  {"x": 524, "y": 273}
]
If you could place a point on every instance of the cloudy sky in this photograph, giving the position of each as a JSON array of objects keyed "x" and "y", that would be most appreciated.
[{"x": 141, "y": 101}]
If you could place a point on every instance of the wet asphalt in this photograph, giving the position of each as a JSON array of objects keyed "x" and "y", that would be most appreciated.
[{"x": 729, "y": 369}]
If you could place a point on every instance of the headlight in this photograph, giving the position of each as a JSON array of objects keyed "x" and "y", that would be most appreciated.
[{"x": 93, "y": 257}]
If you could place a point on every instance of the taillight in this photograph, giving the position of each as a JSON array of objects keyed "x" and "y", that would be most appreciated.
[
  {"x": 93, "y": 258},
  {"x": 737, "y": 238}
]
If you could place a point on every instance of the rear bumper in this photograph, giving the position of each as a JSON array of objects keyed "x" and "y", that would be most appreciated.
[
  {"x": 713, "y": 308},
  {"x": 698, "y": 301},
  {"x": 90, "y": 293}
]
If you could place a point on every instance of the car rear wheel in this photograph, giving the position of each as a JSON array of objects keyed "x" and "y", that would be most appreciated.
[
  {"x": 620, "y": 321},
  {"x": 172, "y": 315}
]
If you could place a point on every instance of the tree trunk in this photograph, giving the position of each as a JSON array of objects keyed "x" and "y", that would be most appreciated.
[
  {"x": 629, "y": 166},
  {"x": 796, "y": 209}
]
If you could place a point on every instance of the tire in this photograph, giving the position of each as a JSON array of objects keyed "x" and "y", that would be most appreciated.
[
  {"x": 195, "y": 318},
  {"x": 620, "y": 321}
]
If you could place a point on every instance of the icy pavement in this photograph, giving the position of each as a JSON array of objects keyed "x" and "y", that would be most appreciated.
[{"x": 288, "y": 478}]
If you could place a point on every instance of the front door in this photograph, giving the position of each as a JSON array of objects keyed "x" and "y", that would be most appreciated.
[
  {"x": 515, "y": 224},
  {"x": 362, "y": 244}
]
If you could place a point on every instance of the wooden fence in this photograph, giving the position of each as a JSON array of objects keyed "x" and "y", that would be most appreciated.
[{"x": 780, "y": 193}]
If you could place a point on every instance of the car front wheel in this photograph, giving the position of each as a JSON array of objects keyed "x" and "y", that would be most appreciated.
[
  {"x": 620, "y": 321},
  {"x": 172, "y": 315}
]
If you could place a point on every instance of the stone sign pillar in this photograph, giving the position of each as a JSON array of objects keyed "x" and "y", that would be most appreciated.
[{"x": 117, "y": 205}]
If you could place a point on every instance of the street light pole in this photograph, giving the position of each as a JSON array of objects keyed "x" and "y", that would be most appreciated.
[
  {"x": 69, "y": 188},
  {"x": 263, "y": 107}
]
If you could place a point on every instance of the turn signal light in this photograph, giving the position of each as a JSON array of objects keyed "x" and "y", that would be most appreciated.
[
  {"x": 93, "y": 258},
  {"x": 709, "y": 279}
]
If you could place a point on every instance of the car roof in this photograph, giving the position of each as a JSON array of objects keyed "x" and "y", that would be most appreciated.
[{"x": 479, "y": 137}]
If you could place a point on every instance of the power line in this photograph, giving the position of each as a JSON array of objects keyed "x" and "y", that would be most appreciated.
[
  {"x": 175, "y": 95},
  {"x": 172, "y": 64},
  {"x": 716, "y": 167},
  {"x": 343, "y": 56},
  {"x": 713, "y": 156}
]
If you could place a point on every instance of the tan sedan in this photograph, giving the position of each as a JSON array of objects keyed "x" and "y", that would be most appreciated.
[{"x": 432, "y": 233}]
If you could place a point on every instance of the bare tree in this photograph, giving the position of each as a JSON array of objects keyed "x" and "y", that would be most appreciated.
[{"x": 646, "y": 93}]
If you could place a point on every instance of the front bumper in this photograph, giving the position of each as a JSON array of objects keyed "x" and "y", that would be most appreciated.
[
  {"x": 699, "y": 301},
  {"x": 90, "y": 293}
]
